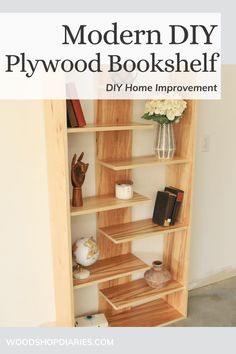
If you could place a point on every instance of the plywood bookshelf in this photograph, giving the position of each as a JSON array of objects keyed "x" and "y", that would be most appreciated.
[{"x": 124, "y": 301}]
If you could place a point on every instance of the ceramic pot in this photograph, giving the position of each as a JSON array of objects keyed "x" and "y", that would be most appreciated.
[
  {"x": 124, "y": 190},
  {"x": 157, "y": 277}
]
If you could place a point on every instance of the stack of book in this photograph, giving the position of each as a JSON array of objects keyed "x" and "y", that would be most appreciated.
[
  {"x": 75, "y": 115},
  {"x": 167, "y": 206}
]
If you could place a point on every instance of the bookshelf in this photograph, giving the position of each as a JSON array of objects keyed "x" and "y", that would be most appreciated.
[{"x": 125, "y": 302}]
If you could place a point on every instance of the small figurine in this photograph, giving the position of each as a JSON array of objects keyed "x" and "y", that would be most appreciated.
[{"x": 78, "y": 171}]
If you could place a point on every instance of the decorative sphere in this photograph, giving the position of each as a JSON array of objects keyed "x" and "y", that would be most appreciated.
[{"x": 85, "y": 251}]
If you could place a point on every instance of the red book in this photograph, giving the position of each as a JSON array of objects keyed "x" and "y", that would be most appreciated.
[
  {"x": 72, "y": 93},
  {"x": 179, "y": 198},
  {"x": 78, "y": 113},
  {"x": 71, "y": 115}
]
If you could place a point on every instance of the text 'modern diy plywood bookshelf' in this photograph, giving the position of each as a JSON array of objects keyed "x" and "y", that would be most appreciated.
[{"x": 124, "y": 301}]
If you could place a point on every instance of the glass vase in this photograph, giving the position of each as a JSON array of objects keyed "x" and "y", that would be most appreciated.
[{"x": 165, "y": 146}]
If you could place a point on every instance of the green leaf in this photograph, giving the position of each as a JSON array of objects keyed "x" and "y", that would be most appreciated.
[
  {"x": 147, "y": 116},
  {"x": 161, "y": 119}
]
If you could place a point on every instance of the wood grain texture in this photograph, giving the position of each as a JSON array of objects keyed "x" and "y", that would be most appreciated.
[
  {"x": 179, "y": 300},
  {"x": 175, "y": 255},
  {"x": 152, "y": 314},
  {"x": 181, "y": 177},
  {"x": 106, "y": 202},
  {"x": 140, "y": 161},
  {"x": 137, "y": 230},
  {"x": 58, "y": 184},
  {"x": 137, "y": 292},
  {"x": 185, "y": 132},
  {"x": 102, "y": 127},
  {"x": 112, "y": 268},
  {"x": 176, "y": 247},
  {"x": 110, "y": 145}
]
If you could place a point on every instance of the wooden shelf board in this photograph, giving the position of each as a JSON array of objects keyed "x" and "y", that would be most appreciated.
[
  {"x": 93, "y": 127},
  {"x": 154, "y": 314},
  {"x": 112, "y": 268},
  {"x": 106, "y": 202},
  {"x": 140, "y": 161},
  {"x": 137, "y": 292},
  {"x": 137, "y": 229}
]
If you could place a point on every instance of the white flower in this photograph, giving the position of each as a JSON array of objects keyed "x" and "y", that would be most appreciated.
[
  {"x": 170, "y": 114},
  {"x": 169, "y": 108}
]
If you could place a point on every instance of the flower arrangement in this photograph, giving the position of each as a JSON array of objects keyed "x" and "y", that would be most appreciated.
[{"x": 164, "y": 111}]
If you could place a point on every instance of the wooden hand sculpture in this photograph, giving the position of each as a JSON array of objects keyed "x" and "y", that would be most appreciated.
[{"x": 78, "y": 171}]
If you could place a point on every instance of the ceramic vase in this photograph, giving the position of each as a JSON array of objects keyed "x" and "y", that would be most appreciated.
[{"x": 157, "y": 277}]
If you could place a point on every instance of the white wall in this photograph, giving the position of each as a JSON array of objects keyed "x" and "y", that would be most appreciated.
[
  {"x": 213, "y": 246},
  {"x": 26, "y": 297}
]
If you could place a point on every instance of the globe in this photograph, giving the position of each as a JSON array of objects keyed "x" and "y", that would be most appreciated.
[{"x": 85, "y": 251}]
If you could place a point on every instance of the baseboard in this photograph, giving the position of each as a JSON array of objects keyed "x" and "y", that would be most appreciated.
[{"x": 213, "y": 278}]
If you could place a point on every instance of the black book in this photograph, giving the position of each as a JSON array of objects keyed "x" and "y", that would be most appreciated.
[
  {"x": 179, "y": 198},
  {"x": 163, "y": 209},
  {"x": 68, "y": 121},
  {"x": 71, "y": 115}
]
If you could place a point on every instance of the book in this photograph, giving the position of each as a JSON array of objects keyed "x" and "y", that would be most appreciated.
[
  {"x": 179, "y": 198},
  {"x": 72, "y": 92},
  {"x": 68, "y": 121},
  {"x": 163, "y": 208},
  {"x": 78, "y": 113},
  {"x": 71, "y": 118},
  {"x": 170, "y": 207}
]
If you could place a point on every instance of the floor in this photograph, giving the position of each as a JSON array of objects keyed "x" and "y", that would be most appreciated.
[{"x": 212, "y": 306}]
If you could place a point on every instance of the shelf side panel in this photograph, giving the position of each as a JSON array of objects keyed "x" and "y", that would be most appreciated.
[
  {"x": 176, "y": 247},
  {"x": 185, "y": 132},
  {"x": 175, "y": 258},
  {"x": 112, "y": 145},
  {"x": 58, "y": 185}
]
